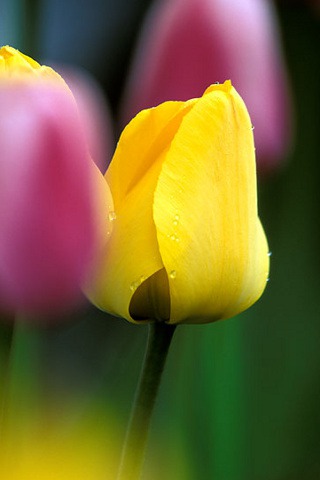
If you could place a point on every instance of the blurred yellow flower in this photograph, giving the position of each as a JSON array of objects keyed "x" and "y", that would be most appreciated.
[
  {"x": 16, "y": 65},
  {"x": 187, "y": 244},
  {"x": 61, "y": 450}
]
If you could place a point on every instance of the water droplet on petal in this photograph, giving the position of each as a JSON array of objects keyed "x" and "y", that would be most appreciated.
[
  {"x": 173, "y": 274},
  {"x": 135, "y": 285},
  {"x": 112, "y": 216},
  {"x": 176, "y": 220},
  {"x": 269, "y": 254}
]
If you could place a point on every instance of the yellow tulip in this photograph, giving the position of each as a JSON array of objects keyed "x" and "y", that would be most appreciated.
[{"x": 187, "y": 245}]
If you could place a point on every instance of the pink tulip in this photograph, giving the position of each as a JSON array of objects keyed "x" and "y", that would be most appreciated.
[
  {"x": 95, "y": 114},
  {"x": 47, "y": 212},
  {"x": 188, "y": 44}
]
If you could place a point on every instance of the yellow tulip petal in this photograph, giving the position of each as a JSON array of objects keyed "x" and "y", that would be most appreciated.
[
  {"x": 140, "y": 144},
  {"x": 132, "y": 254},
  {"x": 257, "y": 275},
  {"x": 151, "y": 301},
  {"x": 205, "y": 211},
  {"x": 104, "y": 209}
]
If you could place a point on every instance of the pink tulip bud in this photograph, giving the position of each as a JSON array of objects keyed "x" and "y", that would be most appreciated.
[
  {"x": 47, "y": 208},
  {"x": 188, "y": 44},
  {"x": 94, "y": 113}
]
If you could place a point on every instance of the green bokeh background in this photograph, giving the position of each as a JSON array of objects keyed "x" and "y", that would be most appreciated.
[{"x": 240, "y": 398}]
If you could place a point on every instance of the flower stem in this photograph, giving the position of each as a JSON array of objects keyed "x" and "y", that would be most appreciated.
[
  {"x": 22, "y": 380},
  {"x": 159, "y": 339}
]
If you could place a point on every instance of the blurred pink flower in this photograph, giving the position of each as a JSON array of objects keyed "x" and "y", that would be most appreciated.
[
  {"x": 48, "y": 228},
  {"x": 188, "y": 44},
  {"x": 94, "y": 113}
]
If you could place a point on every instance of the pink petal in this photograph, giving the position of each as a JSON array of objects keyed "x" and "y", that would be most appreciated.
[
  {"x": 94, "y": 113},
  {"x": 47, "y": 231}
]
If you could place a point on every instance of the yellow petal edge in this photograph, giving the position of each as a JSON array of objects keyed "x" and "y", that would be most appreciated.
[{"x": 16, "y": 66}]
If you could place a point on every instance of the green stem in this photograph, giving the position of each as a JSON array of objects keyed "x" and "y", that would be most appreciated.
[
  {"x": 22, "y": 387},
  {"x": 5, "y": 351},
  {"x": 159, "y": 339}
]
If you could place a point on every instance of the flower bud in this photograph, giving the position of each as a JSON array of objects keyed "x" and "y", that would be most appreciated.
[{"x": 187, "y": 244}]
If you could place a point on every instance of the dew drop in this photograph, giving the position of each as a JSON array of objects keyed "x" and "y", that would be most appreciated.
[
  {"x": 176, "y": 220},
  {"x": 137, "y": 283},
  {"x": 173, "y": 274},
  {"x": 112, "y": 216},
  {"x": 269, "y": 254},
  {"x": 252, "y": 127},
  {"x": 134, "y": 285}
]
